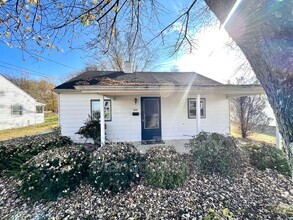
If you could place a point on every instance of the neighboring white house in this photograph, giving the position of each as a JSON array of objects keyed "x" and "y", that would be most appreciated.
[
  {"x": 17, "y": 108},
  {"x": 147, "y": 106}
]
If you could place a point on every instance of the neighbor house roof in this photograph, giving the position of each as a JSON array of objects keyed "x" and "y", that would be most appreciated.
[
  {"x": 118, "y": 78},
  {"x": 7, "y": 79}
]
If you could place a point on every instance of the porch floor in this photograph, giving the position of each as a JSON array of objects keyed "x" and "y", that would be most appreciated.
[{"x": 178, "y": 144}]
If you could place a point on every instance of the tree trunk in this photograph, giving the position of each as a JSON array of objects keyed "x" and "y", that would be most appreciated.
[
  {"x": 242, "y": 121},
  {"x": 264, "y": 32}
]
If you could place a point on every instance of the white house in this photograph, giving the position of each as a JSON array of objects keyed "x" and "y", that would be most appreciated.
[
  {"x": 147, "y": 106},
  {"x": 17, "y": 108}
]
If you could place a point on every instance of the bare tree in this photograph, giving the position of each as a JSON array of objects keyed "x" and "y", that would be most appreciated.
[
  {"x": 243, "y": 68},
  {"x": 263, "y": 31},
  {"x": 26, "y": 24},
  {"x": 122, "y": 48},
  {"x": 248, "y": 114}
]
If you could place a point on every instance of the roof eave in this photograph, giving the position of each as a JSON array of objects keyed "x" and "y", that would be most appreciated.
[
  {"x": 40, "y": 104},
  {"x": 229, "y": 90},
  {"x": 58, "y": 91}
]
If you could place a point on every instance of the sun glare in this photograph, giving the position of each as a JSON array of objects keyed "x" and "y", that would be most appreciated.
[{"x": 212, "y": 58}]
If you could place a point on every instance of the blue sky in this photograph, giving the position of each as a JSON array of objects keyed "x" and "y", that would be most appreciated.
[
  {"x": 64, "y": 63},
  {"x": 210, "y": 58}
]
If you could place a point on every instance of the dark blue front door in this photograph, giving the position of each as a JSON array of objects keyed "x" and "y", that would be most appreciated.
[{"x": 151, "y": 118}]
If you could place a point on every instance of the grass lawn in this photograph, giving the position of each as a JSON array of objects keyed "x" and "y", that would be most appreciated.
[
  {"x": 255, "y": 136},
  {"x": 51, "y": 121}
]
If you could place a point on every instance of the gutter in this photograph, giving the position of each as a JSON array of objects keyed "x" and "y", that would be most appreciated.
[{"x": 227, "y": 89}]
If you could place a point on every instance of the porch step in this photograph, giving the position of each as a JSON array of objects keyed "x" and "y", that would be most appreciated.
[{"x": 148, "y": 142}]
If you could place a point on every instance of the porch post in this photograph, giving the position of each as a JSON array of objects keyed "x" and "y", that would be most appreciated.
[
  {"x": 198, "y": 129},
  {"x": 102, "y": 121},
  {"x": 278, "y": 137}
]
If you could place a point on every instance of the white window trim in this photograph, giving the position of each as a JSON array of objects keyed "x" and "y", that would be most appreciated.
[
  {"x": 203, "y": 100},
  {"x": 21, "y": 110},
  {"x": 42, "y": 107},
  {"x": 106, "y": 100}
]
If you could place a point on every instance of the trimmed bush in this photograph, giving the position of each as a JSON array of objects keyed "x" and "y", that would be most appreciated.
[
  {"x": 216, "y": 153},
  {"x": 267, "y": 156},
  {"x": 14, "y": 153},
  {"x": 165, "y": 168},
  {"x": 53, "y": 173},
  {"x": 114, "y": 167},
  {"x": 91, "y": 129}
]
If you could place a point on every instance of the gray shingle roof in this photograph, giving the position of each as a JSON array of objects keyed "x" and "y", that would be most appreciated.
[{"x": 116, "y": 78}]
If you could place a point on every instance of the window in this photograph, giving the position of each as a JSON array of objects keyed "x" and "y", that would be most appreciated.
[
  {"x": 107, "y": 110},
  {"x": 39, "y": 109},
  {"x": 17, "y": 110},
  {"x": 192, "y": 108},
  {"x": 95, "y": 109}
]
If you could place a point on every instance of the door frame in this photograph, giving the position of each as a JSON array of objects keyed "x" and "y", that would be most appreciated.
[{"x": 142, "y": 116}]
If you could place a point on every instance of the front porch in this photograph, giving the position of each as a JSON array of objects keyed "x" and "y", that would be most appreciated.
[
  {"x": 213, "y": 119},
  {"x": 124, "y": 118}
]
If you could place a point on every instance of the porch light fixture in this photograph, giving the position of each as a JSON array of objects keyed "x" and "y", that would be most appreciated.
[{"x": 135, "y": 101}]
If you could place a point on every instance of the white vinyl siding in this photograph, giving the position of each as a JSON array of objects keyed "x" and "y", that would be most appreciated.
[
  {"x": 124, "y": 126},
  {"x": 74, "y": 110},
  {"x": 177, "y": 125},
  {"x": 17, "y": 110},
  {"x": 12, "y": 96}
]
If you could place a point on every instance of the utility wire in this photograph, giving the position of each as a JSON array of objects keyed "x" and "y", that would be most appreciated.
[
  {"x": 30, "y": 70},
  {"x": 53, "y": 61},
  {"x": 19, "y": 69}
]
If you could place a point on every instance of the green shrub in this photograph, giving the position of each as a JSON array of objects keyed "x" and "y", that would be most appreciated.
[
  {"x": 53, "y": 173},
  {"x": 91, "y": 129},
  {"x": 283, "y": 209},
  {"x": 16, "y": 152},
  {"x": 216, "y": 153},
  {"x": 114, "y": 167},
  {"x": 165, "y": 168},
  {"x": 224, "y": 214},
  {"x": 3, "y": 158},
  {"x": 266, "y": 156}
]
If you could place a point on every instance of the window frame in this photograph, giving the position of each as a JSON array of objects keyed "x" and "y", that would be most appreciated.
[
  {"x": 42, "y": 109},
  {"x": 13, "y": 112},
  {"x": 110, "y": 106},
  {"x": 203, "y": 100}
]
